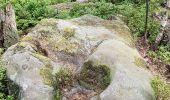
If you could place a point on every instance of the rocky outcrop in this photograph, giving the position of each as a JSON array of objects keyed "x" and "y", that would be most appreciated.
[
  {"x": 85, "y": 58},
  {"x": 8, "y": 29}
]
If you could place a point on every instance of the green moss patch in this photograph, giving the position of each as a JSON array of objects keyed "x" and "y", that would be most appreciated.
[
  {"x": 44, "y": 59},
  {"x": 48, "y": 22},
  {"x": 96, "y": 77},
  {"x": 27, "y": 38},
  {"x": 161, "y": 88},
  {"x": 24, "y": 44},
  {"x": 67, "y": 46},
  {"x": 140, "y": 62},
  {"x": 68, "y": 32},
  {"x": 1, "y": 51},
  {"x": 47, "y": 76}
]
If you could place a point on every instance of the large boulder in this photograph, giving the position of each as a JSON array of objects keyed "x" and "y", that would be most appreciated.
[{"x": 79, "y": 59}]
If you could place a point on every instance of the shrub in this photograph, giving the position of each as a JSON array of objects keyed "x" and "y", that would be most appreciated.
[
  {"x": 3, "y": 81},
  {"x": 162, "y": 53},
  {"x": 135, "y": 18},
  {"x": 100, "y": 9},
  {"x": 29, "y": 12},
  {"x": 161, "y": 89},
  {"x": 3, "y": 90},
  {"x": 3, "y": 84},
  {"x": 58, "y": 1}
]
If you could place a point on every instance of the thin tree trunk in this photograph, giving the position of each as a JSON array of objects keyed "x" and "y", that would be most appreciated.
[
  {"x": 2, "y": 19},
  {"x": 146, "y": 21}
]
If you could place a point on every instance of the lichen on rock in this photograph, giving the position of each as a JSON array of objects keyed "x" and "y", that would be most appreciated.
[
  {"x": 140, "y": 62},
  {"x": 45, "y": 60},
  {"x": 68, "y": 46},
  {"x": 68, "y": 32},
  {"x": 47, "y": 76}
]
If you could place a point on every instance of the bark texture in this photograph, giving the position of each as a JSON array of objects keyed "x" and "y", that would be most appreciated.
[
  {"x": 2, "y": 18},
  {"x": 8, "y": 29},
  {"x": 168, "y": 4}
]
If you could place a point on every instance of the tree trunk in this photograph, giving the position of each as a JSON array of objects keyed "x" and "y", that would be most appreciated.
[
  {"x": 146, "y": 21},
  {"x": 168, "y": 4},
  {"x": 2, "y": 19},
  {"x": 9, "y": 27}
]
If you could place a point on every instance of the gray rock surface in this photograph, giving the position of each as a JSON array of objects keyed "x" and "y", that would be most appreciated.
[
  {"x": 129, "y": 82},
  {"x": 54, "y": 44}
]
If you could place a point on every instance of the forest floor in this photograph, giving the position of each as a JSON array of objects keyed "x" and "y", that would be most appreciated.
[{"x": 157, "y": 67}]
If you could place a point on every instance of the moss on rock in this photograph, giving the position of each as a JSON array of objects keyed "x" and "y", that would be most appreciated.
[
  {"x": 48, "y": 22},
  {"x": 1, "y": 51},
  {"x": 67, "y": 46},
  {"x": 46, "y": 71},
  {"x": 44, "y": 59},
  {"x": 27, "y": 38},
  {"x": 140, "y": 62},
  {"x": 24, "y": 44},
  {"x": 63, "y": 80},
  {"x": 46, "y": 27},
  {"x": 121, "y": 30},
  {"x": 21, "y": 45},
  {"x": 95, "y": 77},
  {"x": 47, "y": 76},
  {"x": 68, "y": 32}
]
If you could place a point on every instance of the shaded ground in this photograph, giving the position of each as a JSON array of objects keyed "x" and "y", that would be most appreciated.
[{"x": 157, "y": 67}]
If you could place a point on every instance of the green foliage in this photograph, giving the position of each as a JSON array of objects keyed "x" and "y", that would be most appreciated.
[
  {"x": 161, "y": 89},
  {"x": 2, "y": 81},
  {"x": 29, "y": 12},
  {"x": 3, "y": 84},
  {"x": 135, "y": 18},
  {"x": 1, "y": 51},
  {"x": 101, "y": 9},
  {"x": 154, "y": 29},
  {"x": 3, "y": 90},
  {"x": 133, "y": 14},
  {"x": 162, "y": 53},
  {"x": 3, "y": 3},
  {"x": 58, "y": 1}
]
